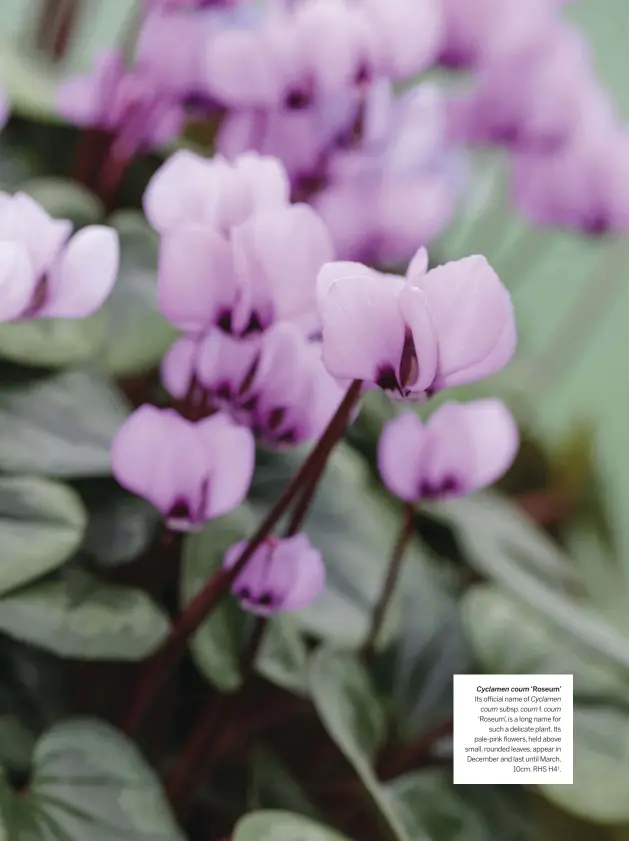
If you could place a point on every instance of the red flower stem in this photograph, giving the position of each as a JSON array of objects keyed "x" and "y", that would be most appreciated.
[
  {"x": 395, "y": 565},
  {"x": 111, "y": 175},
  {"x": 159, "y": 668},
  {"x": 180, "y": 785}
]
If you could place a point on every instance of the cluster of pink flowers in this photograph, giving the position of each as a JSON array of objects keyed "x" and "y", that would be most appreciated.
[
  {"x": 535, "y": 92},
  {"x": 272, "y": 329}
]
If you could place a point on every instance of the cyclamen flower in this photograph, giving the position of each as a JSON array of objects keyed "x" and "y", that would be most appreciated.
[
  {"x": 478, "y": 32},
  {"x": 419, "y": 334},
  {"x": 584, "y": 186},
  {"x": 191, "y": 472},
  {"x": 533, "y": 99},
  {"x": 126, "y": 103},
  {"x": 189, "y": 189},
  {"x": 398, "y": 184},
  {"x": 45, "y": 272},
  {"x": 275, "y": 382},
  {"x": 263, "y": 274},
  {"x": 462, "y": 447},
  {"x": 283, "y": 575}
]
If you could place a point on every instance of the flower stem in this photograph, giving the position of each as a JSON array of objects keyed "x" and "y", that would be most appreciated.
[
  {"x": 180, "y": 785},
  {"x": 159, "y": 668},
  {"x": 395, "y": 565}
]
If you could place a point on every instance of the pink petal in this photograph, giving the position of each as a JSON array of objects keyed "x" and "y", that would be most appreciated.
[
  {"x": 229, "y": 456},
  {"x": 418, "y": 267},
  {"x": 339, "y": 270},
  {"x": 363, "y": 328},
  {"x": 284, "y": 251},
  {"x": 494, "y": 438},
  {"x": 241, "y": 69},
  {"x": 448, "y": 452},
  {"x": 224, "y": 363},
  {"x": 155, "y": 454},
  {"x": 401, "y": 455},
  {"x": 23, "y": 219},
  {"x": 413, "y": 305},
  {"x": 309, "y": 571},
  {"x": 473, "y": 317},
  {"x": 83, "y": 277},
  {"x": 18, "y": 281},
  {"x": 195, "y": 281},
  {"x": 78, "y": 101},
  {"x": 5, "y": 109},
  {"x": 182, "y": 191},
  {"x": 265, "y": 178},
  {"x": 178, "y": 367},
  {"x": 409, "y": 33}
]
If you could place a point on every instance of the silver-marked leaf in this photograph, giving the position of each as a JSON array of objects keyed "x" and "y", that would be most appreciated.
[
  {"x": 354, "y": 718},
  {"x": 60, "y": 426},
  {"x": 88, "y": 782},
  {"x": 41, "y": 525},
  {"x": 104, "y": 622}
]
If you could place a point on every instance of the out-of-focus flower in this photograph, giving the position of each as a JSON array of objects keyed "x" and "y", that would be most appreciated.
[
  {"x": 191, "y": 472},
  {"x": 45, "y": 272},
  {"x": 263, "y": 274},
  {"x": 275, "y": 383},
  {"x": 398, "y": 184},
  {"x": 283, "y": 575},
  {"x": 126, "y": 103},
  {"x": 583, "y": 186},
  {"x": 5, "y": 109},
  {"x": 461, "y": 448},
  {"x": 533, "y": 99},
  {"x": 416, "y": 335},
  {"x": 189, "y": 189},
  {"x": 477, "y": 32},
  {"x": 409, "y": 35}
]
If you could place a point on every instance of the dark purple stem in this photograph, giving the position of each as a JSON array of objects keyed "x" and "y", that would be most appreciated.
[{"x": 160, "y": 667}]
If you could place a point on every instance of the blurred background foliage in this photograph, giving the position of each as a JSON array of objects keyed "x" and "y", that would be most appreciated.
[{"x": 483, "y": 589}]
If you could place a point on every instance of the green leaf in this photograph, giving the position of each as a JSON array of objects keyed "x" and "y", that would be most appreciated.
[
  {"x": 65, "y": 199},
  {"x": 447, "y": 812},
  {"x": 52, "y": 342},
  {"x": 60, "y": 426},
  {"x": 120, "y": 525},
  {"x": 282, "y": 826},
  {"x": 41, "y": 525},
  {"x": 89, "y": 782},
  {"x": 354, "y": 718},
  {"x": 274, "y": 787},
  {"x": 511, "y": 638},
  {"x": 108, "y": 622},
  {"x": 218, "y": 645},
  {"x": 137, "y": 335},
  {"x": 283, "y": 657},
  {"x": 500, "y": 541}
]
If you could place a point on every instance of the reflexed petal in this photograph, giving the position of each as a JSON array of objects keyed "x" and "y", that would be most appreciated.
[
  {"x": 339, "y": 270},
  {"x": 363, "y": 328},
  {"x": 183, "y": 190},
  {"x": 473, "y": 317},
  {"x": 195, "y": 277},
  {"x": 401, "y": 455},
  {"x": 418, "y": 267},
  {"x": 17, "y": 281},
  {"x": 228, "y": 452},
  {"x": 265, "y": 178},
  {"x": 285, "y": 251},
  {"x": 241, "y": 69},
  {"x": 178, "y": 366},
  {"x": 449, "y": 456},
  {"x": 155, "y": 454},
  {"x": 224, "y": 363},
  {"x": 84, "y": 275},
  {"x": 309, "y": 571},
  {"x": 414, "y": 309},
  {"x": 410, "y": 34},
  {"x": 495, "y": 440},
  {"x": 23, "y": 219}
]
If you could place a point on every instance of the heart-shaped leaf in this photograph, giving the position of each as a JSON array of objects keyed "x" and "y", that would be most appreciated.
[
  {"x": 60, "y": 426},
  {"x": 106, "y": 622},
  {"x": 41, "y": 525},
  {"x": 88, "y": 782}
]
